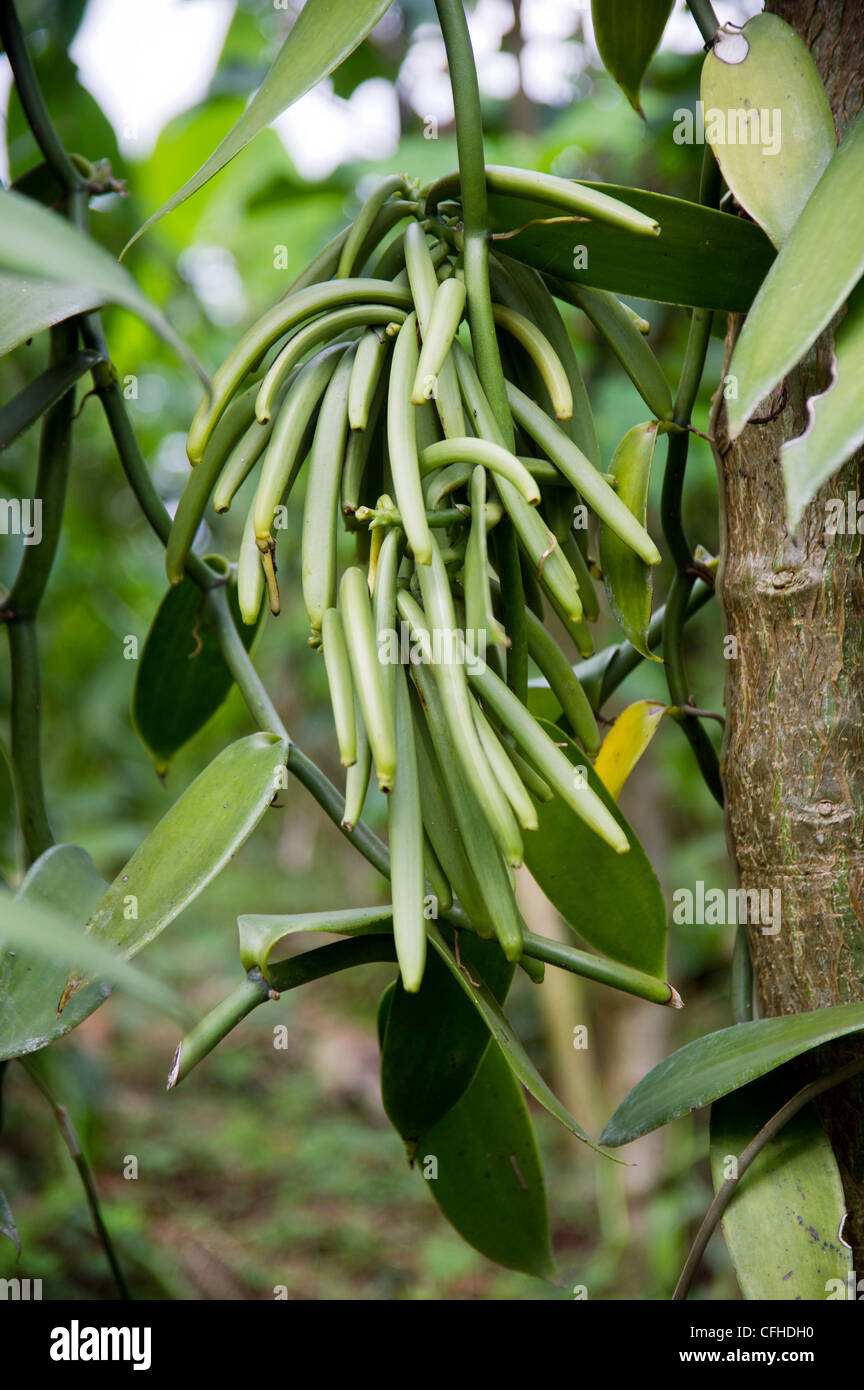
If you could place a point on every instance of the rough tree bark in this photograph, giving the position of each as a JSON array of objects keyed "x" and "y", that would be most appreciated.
[{"x": 793, "y": 757}]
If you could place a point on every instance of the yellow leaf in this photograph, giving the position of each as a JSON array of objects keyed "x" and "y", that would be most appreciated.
[{"x": 625, "y": 743}]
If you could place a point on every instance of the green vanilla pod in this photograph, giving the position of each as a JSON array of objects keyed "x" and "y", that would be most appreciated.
[
  {"x": 321, "y": 505},
  {"x": 341, "y": 685},
  {"x": 356, "y": 609},
  {"x": 407, "y": 873}
]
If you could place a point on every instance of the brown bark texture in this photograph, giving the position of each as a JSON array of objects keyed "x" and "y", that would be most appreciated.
[{"x": 793, "y": 755}]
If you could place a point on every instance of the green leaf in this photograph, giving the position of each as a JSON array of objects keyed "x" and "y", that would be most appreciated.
[
  {"x": 781, "y": 1225},
  {"x": 39, "y": 395},
  {"x": 189, "y": 846},
  {"x": 324, "y": 33},
  {"x": 42, "y": 931},
  {"x": 627, "y": 35},
  {"x": 29, "y": 306},
  {"x": 35, "y": 242},
  {"x": 502, "y": 1033},
  {"x": 701, "y": 257},
  {"x": 261, "y": 932},
  {"x": 836, "y": 426},
  {"x": 7, "y": 1223},
  {"x": 489, "y": 1180},
  {"x": 436, "y": 1039},
  {"x": 384, "y": 1004},
  {"x": 628, "y": 580},
  {"x": 774, "y": 98},
  {"x": 616, "y": 903},
  {"x": 720, "y": 1062},
  {"x": 811, "y": 278},
  {"x": 182, "y": 676}
]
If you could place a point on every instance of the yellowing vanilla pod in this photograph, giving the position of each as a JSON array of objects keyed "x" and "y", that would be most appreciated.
[
  {"x": 328, "y": 327},
  {"x": 543, "y": 356},
  {"x": 367, "y": 671},
  {"x": 321, "y": 505},
  {"x": 402, "y": 443},
  {"x": 445, "y": 315},
  {"x": 407, "y": 873},
  {"x": 573, "y": 463},
  {"x": 287, "y": 314},
  {"x": 341, "y": 685}
]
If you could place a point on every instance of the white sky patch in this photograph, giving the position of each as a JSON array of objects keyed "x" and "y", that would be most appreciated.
[
  {"x": 145, "y": 63},
  {"x": 322, "y": 131}
]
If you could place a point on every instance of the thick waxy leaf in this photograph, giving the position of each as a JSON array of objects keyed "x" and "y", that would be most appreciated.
[
  {"x": 182, "y": 677},
  {"x": 7, "y": 1222},
  {"x": 483, "y": 1169},
  {"x": 627, "y": 35},
  {"x": 39, "y": 395},
  {"x": 36, "y": 242},
  {"x": 502, "y": 1033},
  {"x": 189, "y": 846},
  {"x": 628, "y": 581},
  {"x": 64, "y": 879},
  {"x": 625, "y": 743},
  {"x": 45, "y": 935},
  {"x": 836, "y": 427},
  {"x": 324, "y": 33},
  {"x": 260, "y": 932},
  {"x": 616, "y": 904},
  {"x": 720, "y": 1062},
  {"x": 41, "y": 929},
  {"x": 814, "y": 273},
  {"x": 435, "y": 1039},
  {"x": 768, "y": 121},
  {"x": 701, "y": 257},
  {"x": 28, "y": 306},
  {"x": 781, "y": 1225}
]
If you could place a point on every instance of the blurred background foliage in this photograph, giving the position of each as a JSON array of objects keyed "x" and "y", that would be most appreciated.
[{"x": 277, "y": 1167}]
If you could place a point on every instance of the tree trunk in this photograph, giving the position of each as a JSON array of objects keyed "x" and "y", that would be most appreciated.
[{"x": 793, "y": 759}]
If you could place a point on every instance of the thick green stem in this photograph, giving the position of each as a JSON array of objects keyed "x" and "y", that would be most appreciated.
[
  {"x": 599, "y": 968},
  {"x": 703, "y": 13},
  {"x": 285, "y": 975},
  {"x": 85, "y": 1172},
  {"x": 107, "y": 388},
  {"x": 26, "y": 738},
  {"x": 601, "y": 675},
  {"x": 240, "y": 665},
  {"x": 676, "y": 680},
  {"x": 475, "y": 212},
  {"x": 678, "y": 600},
  {"x": 32, "y": 101}
]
